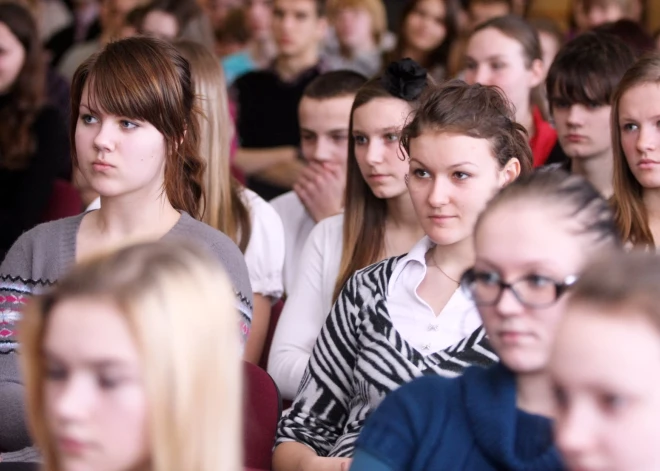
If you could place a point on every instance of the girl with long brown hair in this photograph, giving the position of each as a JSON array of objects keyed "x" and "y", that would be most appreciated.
[
  {"x": 636, "y": 147},
  {"x": 34, "y": 148},
  {"x": 135, "y": 131},
  {"x": 245, "y": 217},
  {"x": 406, "y": 316},
  {"x": 378, "y": 220}
]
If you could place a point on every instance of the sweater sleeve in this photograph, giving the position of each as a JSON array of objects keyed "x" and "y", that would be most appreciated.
[
  {"x": 35, "y": 188},
  {"x": 319, "y": 413},
  {"x": 302, "y": 318},
  {"x": 394, "y": 432}
]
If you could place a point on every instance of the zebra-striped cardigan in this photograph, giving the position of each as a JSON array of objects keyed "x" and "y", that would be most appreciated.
[{"x": 358, "y": 358}]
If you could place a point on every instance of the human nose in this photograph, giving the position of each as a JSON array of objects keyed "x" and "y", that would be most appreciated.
[
  {"x": 483, "y": 76},
  {"x": 508, "y": 303},
  {"x": 573, "y": 432},
  {"x": 575, "y": 115},
  {"x": 646, "y": 139},
  {"x": 321, "y": 151},
  {"x": 104, "y": 140},
  {"x": 74, "y": 400},
  {"x": 374, "y": 153},
  {"x": 439, "y": 194}
]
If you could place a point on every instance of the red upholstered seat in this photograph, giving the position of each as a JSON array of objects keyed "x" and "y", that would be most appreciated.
[{"x": 262, "y": 410}]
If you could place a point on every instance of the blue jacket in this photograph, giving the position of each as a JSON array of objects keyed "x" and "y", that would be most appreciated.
[{"x": 467, "y": 423}]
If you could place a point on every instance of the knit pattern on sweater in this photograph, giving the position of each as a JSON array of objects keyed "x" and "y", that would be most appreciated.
[{"x": 358, "y": 358}]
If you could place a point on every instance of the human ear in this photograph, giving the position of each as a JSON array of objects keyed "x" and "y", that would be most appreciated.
[
  {"x": 536, "y": 73},
  {"x": 510, "y": 172}
]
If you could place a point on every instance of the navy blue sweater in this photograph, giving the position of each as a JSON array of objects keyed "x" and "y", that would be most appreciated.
[{"x": 465, "y": 423}]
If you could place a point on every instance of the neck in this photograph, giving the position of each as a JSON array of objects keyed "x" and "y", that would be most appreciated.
[
  {"x": 123, "y": 217},
  {"x": 524, "y": 117},
  {"x": 534, "y": 393},
  {"x": 454, "y": 259},
  {"x": 401, "y": 214},
  {"x": 415, "y": 54},
  {"x": 289, "y": 67},
  {"x": 355, "y": 51},
  {"x": 597, "y": 170},
  {"x": 262, "y": 51}
]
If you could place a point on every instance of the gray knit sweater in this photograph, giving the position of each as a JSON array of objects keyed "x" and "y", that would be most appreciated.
[{"x": 37, "y": 260}]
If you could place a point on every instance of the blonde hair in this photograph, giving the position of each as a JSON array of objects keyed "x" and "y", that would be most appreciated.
[
  {"x": 225, "y": 208},
  {"x": 179, "y": 306},
  {"x": 375, "y": 8}
]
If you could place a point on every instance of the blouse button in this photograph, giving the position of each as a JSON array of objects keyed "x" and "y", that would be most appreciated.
[
  {"x": 426, "y": 346},
  {"x": 432, "y": 328}
]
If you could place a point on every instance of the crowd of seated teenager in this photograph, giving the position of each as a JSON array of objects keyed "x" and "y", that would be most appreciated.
[{"x": 287, "y": 235}]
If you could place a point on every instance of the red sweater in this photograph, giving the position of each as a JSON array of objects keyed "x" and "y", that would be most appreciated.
[{"x": 543, "y": 140}]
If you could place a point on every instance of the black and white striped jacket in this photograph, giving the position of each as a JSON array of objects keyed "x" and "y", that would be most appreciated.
[{"x": 358, "y": 358}]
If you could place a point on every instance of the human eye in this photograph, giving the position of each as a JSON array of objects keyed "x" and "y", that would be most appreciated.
[
  {"x": 126, "y": 124},
  {"x": 538, "y": 281},
  {"x": 458, "y": 175},
  {"x": 391, "y": 137},
  {"x": 612, "y": 402},
  {"x": 55, "y": 372},
  {"x": 339, "y": 137},
  {"x": 629, "y": 127},
  {"x": 470, "y": 65},
  {"x": 421, "y": 173},
  {"x": 560, "y": 104},
  {"x": 497, "y": 65},
  {"x": 307, "y": 137},
  {"x": 360, "y": 140},
  {"x": 489, "y": 278},
  {"x": 592, "y": 105},
  {"x": 88, "y": 119},
  {"x": 560, "y": 396}
]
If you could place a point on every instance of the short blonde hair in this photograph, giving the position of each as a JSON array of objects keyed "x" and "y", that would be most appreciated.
[
  {"x": 179, "y": 306},
  {"x": 375, "y": 8}
]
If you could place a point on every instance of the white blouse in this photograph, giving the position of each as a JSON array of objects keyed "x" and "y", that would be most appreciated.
[
  {"x": 264, "y": 254},
  {"x": 414, "y": 319},
  {"x": 298, "y": 224},
  {"x": 307, "y": 305}
]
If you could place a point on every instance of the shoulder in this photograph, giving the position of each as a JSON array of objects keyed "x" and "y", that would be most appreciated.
[
  {"x": 254, "y": 78},
  {"x": 261, "y": 211},
  {"x": 330, "y": 227},
  {"x": 328, "y": 235},
  {"x": 39, "y": 253},
  {"x": 288, "y": 205}
]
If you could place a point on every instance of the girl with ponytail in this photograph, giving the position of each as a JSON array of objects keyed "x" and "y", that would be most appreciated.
[{"x": 135, "y": 135}]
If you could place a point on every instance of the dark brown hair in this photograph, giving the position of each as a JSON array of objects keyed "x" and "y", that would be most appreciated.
[
  {"x": 472, "y": 110},
  {"x": 27, "y": 94},
  {"x": 334, "y": 84},
  {"x": 364, "y": 214},
  {"x": 439, "y": 56},
  {"x": 588, "y": 69},
  {"x": 622, "y": 284},
  {"x": 146, "y": 79},
  {"x": 631, "y": 214},
  {"x": 578, "y": 200}
]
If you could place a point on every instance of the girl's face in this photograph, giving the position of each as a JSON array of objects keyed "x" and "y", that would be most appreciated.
[
  {"x": 451, "y": 178},
  {"x": 117, "y": 155},
  {"x": 639, "y": 128},
  {"x": 94, "y": 396},
  {"x": 376, "y": 129},
  {"x": 494, "y": 58},
  {"x": 425, "y": 26},
  {"x": 259, "y": 18},
  {"x": 532, "y": 246},
  {"x": 12, "y": 58},
  {"x": 608, "y": 395},
  {"x": 354, "y": 28}
]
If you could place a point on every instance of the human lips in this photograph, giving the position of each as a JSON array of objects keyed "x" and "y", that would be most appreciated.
[
  {"x": 646, "y": 164},
  {"x": 513, "y": 337},
  {"x": 575, "y": 138},
  {"x": 100, "y": 166},
  {"x": 72, "y": 446}
]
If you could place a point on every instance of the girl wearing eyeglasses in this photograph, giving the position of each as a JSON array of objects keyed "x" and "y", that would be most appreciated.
[{"x": 531, "y": 241}]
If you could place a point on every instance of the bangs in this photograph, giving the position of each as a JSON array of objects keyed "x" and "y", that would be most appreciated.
[
  {"x": 129, "y": 82},
  {"x": 588, "y": 89}
]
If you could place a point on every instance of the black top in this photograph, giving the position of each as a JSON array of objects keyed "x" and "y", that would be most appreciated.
[
  {"x": 268, "y": 115},
  {"x": 25, "y": 194}
]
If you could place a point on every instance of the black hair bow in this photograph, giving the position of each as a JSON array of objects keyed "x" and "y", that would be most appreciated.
[{"x": 405, "y": 79}]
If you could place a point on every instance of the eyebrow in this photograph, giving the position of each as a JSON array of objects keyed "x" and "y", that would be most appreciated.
[
  {"x": 489, "y": 58},
  {"x": 382, "y": 130},
  {"x": 627, "y": 118},
  {"x": 459, "y": 164},
  {"x": 98, "y": 364}
]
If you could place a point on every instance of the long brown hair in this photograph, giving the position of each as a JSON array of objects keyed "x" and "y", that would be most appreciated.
[
  {"x": 147, "y": 79},
  {"x": 364, "y": 213},
  {"x": 519, "y": 29},
  {"x": 225, "y": 208},
  {"x": 27, "y": 94},
  {"x": 630, "y": 212}
]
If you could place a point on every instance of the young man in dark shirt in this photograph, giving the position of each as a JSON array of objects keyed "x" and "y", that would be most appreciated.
[{"x": 267, "y": 100}]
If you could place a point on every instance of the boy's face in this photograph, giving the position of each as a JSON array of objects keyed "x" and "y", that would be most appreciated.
[
  {"x": 583, "y": 130},
  {"x": 297, "y": 27},
  {"x": 605, "y": 13},
  {"x": 324, "y": 129},
  {"x": 481, "y": 12}
]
